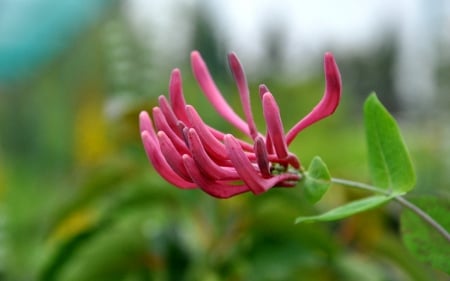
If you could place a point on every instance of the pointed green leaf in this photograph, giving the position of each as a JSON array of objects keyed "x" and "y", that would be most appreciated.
[
  {"x": 347, "y": 210},
  {"x": 317, "y": 180},
  {"x": 421, "y": 239},
  {"x": 389, "y": 161}
]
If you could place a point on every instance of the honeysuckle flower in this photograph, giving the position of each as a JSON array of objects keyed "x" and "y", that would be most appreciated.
[{"x": 188, "y": 153}]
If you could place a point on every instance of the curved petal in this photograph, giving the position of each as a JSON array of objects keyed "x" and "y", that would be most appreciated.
[
  {"x": 213, "y": 94},
  {"x": 204, "y": 162},
  {"x": 213, "y": 146},
  {"x": 145, "y": 123},
  {"x": 247, "y": 171},
  {"x": 220, "y": 135},
  {"x": 241, "y": 81},
  {"x": 274, "y": 125},
  {"x": 169, "y": 114},
  {"x": 160, "y": 164},
  {"x": 261, "y": 157},
  {"x": 329, "y": 101},
  {"x": 176, "y": 96},
  {"x": 262, "y": 90},
  {"x": 213, "y": 188},
  {"x": 172, "y": 156},
  {"x": 161, "y": 124}
]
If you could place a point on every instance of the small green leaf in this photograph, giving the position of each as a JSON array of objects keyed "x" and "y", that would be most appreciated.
[
  {"x": 317, "y": 180},
  {"x": 389, "y": 161},
  {"x": 349, "y": 209},
  {"x": 422, "y": 240}
]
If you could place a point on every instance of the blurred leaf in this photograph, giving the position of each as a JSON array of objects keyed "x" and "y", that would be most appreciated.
[
  {"x": 389, "y": 161},
  {"x": 317, "y": 180},
  {"x": 64, "y": 253},
  {"x": 421, "y": 239},
  {"x": 74, "y": 223},
  {"x": 112, "y": 253},
  {"x": 347, "y": 210}
]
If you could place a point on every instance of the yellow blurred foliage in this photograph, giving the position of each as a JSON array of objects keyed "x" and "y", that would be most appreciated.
[
  {"x": 91, "y": 133},
  {"x": 74, "y": 224}
]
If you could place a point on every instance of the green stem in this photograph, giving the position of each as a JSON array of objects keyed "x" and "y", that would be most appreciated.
[
  {"x": 400, "y": 199},
  {"x": 360, "y": 185},
  {"x": 424, "y": 216}
]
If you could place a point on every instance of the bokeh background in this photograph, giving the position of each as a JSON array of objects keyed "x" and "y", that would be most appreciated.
[{"x": 79, "y": 200}]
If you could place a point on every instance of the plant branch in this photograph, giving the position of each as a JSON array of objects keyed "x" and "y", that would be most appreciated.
[
  {"x": 424, "y": 216},
  {"x": 360, "y": 185},
  {"x": 400, "y": 199}
]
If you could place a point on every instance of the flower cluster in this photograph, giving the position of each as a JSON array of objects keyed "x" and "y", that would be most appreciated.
[{"x": 188, "y": 153}]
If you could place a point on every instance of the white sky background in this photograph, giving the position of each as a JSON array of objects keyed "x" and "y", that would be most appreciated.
[{"x": 311, "y": 28}]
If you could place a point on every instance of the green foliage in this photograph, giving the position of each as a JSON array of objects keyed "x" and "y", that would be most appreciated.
[
  {"x": 317, "y": 180},
  {"x": 422, "y": 240},
  {"x": 389, "y": 161}
]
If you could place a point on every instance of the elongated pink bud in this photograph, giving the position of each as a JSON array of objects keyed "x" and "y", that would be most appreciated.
[
  {"x": 247, "y": 171},
  {"x": 205, "y": 163},
  {"x": 261, "y": 157},
  {"x": 262, "y": 90},
  {"x": 145, "y": 123},
  {"x": 160, "y": 164},
  {"x": 162, "y": 125},
  {"x": 213, "y": 188},
  {"x": 274, "y": 125},
  {"x": 213, "y": 94},
  {"x": 241, "y": 81},
  {"x": 329, "y": 101},
  {"x": 176, "y": 96},
  {"x": 243, "y": 166},
  {"x": 169, "y": 115},
  {"x": 213, "y": 146},
  {"x": 172, "y": 156}
]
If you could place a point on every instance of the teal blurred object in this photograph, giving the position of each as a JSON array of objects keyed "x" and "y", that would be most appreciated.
[{"x": 32, "y": 32}]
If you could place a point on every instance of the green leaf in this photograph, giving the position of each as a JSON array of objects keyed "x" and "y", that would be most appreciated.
[
  {"x": 317, "y": 180},
  {"x": 424, "y": 241},
  {"x": 349, "y": 209},
  {"x": 389, "y": 161}
]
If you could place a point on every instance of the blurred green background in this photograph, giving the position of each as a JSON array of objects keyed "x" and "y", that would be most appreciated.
[{"x": 79, "y": 199}]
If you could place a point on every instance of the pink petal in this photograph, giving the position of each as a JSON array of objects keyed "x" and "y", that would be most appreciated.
[
  {"x": 274, "y": 125},
  {"x": 213, "y": 94},
  {"x": 329, "y": 101},
  {"x": 204, "y": 162},
  {"x": 293, "y": 161},
  {"x": 172, "y": 156},
  {"x": 145, "y": 124},
  {"x": 160, "y": 164},
  {"x": 169, "y": 114},
  {"x": 248, "y": 174},
  {"x": 219, "y": 135},
  {"x": 162, "y": 125},
  {"x": 241, "y": 81},
  {"x": 262, "y": 90},
  {"x": 261, "y": 156},
  {"x": 176, "y": 96},
  {"x": 213, "y": 188},
  {"x": 213, "y": 146}
]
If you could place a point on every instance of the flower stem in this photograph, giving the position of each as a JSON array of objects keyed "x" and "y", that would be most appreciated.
[
  {"x": 424, "y": 216},
  {"x": 360, "y": 185},
  {"x": 400, "y": 199}
]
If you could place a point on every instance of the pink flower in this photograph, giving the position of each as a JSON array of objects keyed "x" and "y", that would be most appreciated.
[{"x": 188, "y": 153}]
